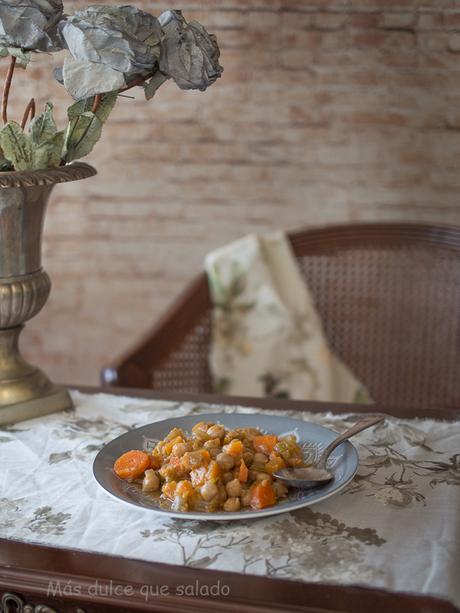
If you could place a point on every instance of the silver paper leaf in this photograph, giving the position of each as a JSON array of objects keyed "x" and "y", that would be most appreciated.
[
  {"x": 155, "y": 82},
  {"x": 83, "y": 79},
  {"x": 22, "y": 57},
  {"x": 43, "y": 127},
  {"x": 49, "y": 153},
  {"x": 82, "y": 134},
  {"x": 16, "y": 146},
  {"x": 83, "y": 106},
  {"x": 30, "y": 24},
  {"x": 58, "y": 74}
]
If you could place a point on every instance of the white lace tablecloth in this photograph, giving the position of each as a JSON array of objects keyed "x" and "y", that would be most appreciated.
[{"x": 395, "y": 526}]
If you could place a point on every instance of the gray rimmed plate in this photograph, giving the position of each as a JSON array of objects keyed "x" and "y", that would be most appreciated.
[{"x": 343, "y": 462}]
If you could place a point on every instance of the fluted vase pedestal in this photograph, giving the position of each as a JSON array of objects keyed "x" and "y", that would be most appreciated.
[{"x": 25, "y": 390}]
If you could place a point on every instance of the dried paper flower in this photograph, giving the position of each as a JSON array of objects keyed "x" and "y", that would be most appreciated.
[
  {"x": 110, "y": 46},
  {"x": 189, "y": 55},
  {"x": 30, "y": 25}
]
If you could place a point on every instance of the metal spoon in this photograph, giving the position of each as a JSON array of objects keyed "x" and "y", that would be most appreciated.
[{"x": 312, "y": 476}]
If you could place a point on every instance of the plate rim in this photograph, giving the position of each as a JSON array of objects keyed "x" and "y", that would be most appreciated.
[{"x": 223, "y": 516}]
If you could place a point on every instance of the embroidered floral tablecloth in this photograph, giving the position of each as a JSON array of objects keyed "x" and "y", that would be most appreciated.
[{"x": 395, "y": 526}]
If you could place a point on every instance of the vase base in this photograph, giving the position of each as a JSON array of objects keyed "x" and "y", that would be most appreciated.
[
  {"x": 56, "y": 400},
  {"x": 25, "y": 391}
]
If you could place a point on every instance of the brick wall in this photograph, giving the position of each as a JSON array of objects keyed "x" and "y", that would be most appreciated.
[{"x": 327, "y": 112}]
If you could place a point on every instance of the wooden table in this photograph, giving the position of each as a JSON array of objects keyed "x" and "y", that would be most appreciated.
[{"x": 100, "y": 583}]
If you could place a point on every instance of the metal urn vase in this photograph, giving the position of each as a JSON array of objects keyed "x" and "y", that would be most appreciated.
[{"x": 25, "y": 391}]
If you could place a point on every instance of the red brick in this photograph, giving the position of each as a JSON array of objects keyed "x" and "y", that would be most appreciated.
[
  {"x": 399, "y": 21},
  {"x": 453, "y": 43},
  {"x": 430, "y": 21},
  {"x": 364, "y": 20},
  {"x": 330, "y": 21},
  {"x": 452, "y": 21}
]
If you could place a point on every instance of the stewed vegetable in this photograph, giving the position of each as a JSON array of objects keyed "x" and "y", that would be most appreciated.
[{"x": 214, "y": 468}]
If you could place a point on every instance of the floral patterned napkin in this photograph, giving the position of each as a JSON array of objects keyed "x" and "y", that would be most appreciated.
[
  {"x": 394, "y": 526},
  {"x": 267, "y": 335}
]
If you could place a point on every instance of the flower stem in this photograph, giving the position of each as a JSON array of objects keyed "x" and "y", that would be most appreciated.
[
  {"x": 96, "y": 103},
  {"x": 29, "y": 110},
  {"x": 6, "y": 89},
  {"x": 137, "y": 81}
]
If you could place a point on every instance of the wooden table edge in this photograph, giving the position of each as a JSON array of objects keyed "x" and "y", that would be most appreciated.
[{"x": 42, "y": 573}]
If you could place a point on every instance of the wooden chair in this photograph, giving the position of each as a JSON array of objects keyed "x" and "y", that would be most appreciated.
[{"x": 389, "y": 298}]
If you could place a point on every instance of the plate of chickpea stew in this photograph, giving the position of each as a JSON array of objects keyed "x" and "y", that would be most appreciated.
[{"x": 219, "y": 466}]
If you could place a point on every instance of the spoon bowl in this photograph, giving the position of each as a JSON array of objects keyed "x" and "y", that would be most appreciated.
[
  {"x": 304, "y": 478},
  {"x": 317, "y": 474}
]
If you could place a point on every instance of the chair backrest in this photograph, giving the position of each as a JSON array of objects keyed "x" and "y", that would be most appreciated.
[{"x": 389, "y": 299}]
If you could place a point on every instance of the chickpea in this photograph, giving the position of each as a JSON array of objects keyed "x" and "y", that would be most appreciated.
[
  {"x": 228, "y": 476},
  {"x": 151, "y": 481},
  {"x": 231, "y": 505},
  {"x": 230, "y": 435},
  {"x": 263, "y": 477},
  {"x": 209, "y": 490},
  {"x": 246, "y": 498},
  {"x": 260, "y": 458},
  {"x": 214, "y": 452},
  {"x": 222, "y": 493},
  {"x": 175, "y": 432},
  {"x": 214, "y": 443},
  {"x": 179, "y": 449},
  {"x": 200, "y": 431},
  {"x": 193, "y": 459},
  {"x": 159, "y": 449},
  {"x": 233, "y": 488},
  {"x": 294, "y": 461},
  {"x": 281, "y": 490},
  {"x": 168, "y": 472},
  {"x": 225, "y": 461},
  {"x": 179, "y": 503},
  {"x": 216, "y": 431},
  {"x": 248, "y": 458}
]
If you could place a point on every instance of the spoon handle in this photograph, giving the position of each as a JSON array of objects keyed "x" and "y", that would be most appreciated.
[{"x": 361, "y": 425}]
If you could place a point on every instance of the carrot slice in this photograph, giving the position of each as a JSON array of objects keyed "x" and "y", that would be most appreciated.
[
  {"x": 132, "y": 464},
  {"x": 234, "y": 448},
  {"x": 265, "y": 443},
  {"x": 243, "y": 472},
  {"x": 184, "y": 489},
  {"x": 274, "y": 464},
  {"x": 214, "y": 472},
  {"x": 262, "y": 495}
]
